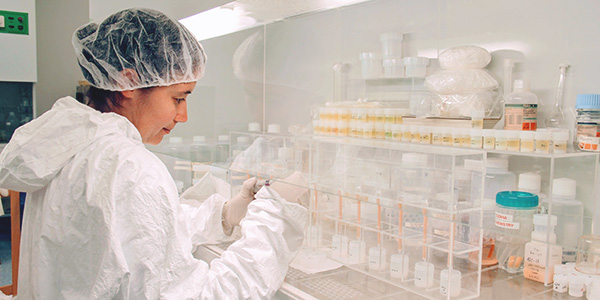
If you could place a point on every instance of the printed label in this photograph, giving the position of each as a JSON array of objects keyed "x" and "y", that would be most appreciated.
[
  {"x": 507, "y": 225},
  {"x": 489, "y": 143},
  {"x": 503, "y": 217},
  {"x": 447, "y": 140},
  {"x": 588, "y": 143},
  {"x": 520, "y": 116},
  {"x": 588, "y": 129}
]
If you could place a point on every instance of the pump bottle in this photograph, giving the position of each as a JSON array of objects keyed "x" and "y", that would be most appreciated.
[{"x": 537, "y": 256}]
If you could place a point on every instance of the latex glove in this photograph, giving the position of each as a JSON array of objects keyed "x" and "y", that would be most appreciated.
[
  {"x": 234, "y": 210},
  {"x": 293, "y": 189},
  {"x": 3, "y": 192}
]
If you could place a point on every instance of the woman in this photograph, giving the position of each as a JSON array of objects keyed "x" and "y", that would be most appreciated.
[{"x": 102, "y": 218}]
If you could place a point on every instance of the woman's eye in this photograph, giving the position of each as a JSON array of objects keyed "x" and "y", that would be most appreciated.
[{"x": 179, "y": 99}]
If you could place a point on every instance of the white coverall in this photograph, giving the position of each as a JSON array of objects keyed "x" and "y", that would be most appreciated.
[{"x": 102, "y": 219}]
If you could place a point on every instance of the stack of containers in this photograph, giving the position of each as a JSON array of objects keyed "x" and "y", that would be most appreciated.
[
  {"x": 462, "y": 86},
  {"x": 391, "y": 48}
]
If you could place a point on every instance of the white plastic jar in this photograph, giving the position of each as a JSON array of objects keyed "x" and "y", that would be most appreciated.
[
  {"x": 416, "y": 66},
  {"x": 450, "y": 282},
  {"x": 371, "y": 65}
]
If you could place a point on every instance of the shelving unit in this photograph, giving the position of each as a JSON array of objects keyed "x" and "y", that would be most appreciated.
[{"x": 349, "y": 175}]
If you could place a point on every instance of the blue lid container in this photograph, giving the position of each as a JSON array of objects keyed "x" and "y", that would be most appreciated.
[
  {"x": 587, "y": 101},
  {"x": 517, "y": 200}
]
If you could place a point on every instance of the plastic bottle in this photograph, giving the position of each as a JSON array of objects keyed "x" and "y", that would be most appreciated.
[
  {"x": 569, "y": 212},
  {"x": 450, "y": 282},
  {"x": 399, "y": 266},
  {"x": 514, "y": 220},
  {"x": 537, "y": 254},
  {"x": 377, "y": 259},
  {"x": 424, "y": 274},
  {"x": 520, "y": 108},
  {"x": 222, "y": 149},
  {"x": 200, "y": 150},
  {"x": 531, "y": 182}
]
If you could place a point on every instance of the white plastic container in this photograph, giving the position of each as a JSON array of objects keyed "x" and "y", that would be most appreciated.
[
  {"x": 476, "y": 138},
  {"x": 569, "y": 212},
  {"x": 542, "y": 251},
  {"x": 450, "y": 282},
  {"x": 424, "y": 274},
  {"x": 255, "y": 126},
  {"x": 416, "y": 66},
  {"x": 356, "y": 251},
  {"x": 527, "y": 141},
  {"x": 339, "y": 246},
  {"x": 520, "y": 108},
  {"x": 542, "y": 141},
  {"x": 377, "y": 259},
  {"x": 399, "y": 266},
  {"x": 560, "y": 139},
  {"x": 391, "y": 44},
  {"x": 393, "y": 67},
  {"x": 200, "y": 150},
  {"x": 371, "y": 65},
  {"x": 513, "y": 140},
  {"x": 561, "y": 278},
  {"x": 500, "y": 140},
  {"x": 576, "y": 285}
]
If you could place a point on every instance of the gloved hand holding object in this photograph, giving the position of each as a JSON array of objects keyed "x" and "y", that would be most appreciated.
[
  {"x": 293, "y": 189},
  {"x": 235, "y": 209}
]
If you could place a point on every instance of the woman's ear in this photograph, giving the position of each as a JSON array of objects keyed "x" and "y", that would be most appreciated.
[
  {"x": 127, "y": 94},
  {"x": 129, "y": 78}
]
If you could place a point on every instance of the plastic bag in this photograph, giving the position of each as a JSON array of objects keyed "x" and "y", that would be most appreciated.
[
  {"x": 460, "y": 81},
  {"x": 461, "y": 105},
  {"x": 464, "y": 57}
]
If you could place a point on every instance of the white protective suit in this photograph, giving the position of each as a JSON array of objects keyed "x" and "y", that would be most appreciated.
[{"x": 102, "y": 219}]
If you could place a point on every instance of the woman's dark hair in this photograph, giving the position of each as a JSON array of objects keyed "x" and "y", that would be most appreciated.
[{"x": 103, "y": 100}]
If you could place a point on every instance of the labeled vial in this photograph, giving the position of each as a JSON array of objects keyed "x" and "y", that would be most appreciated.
[
  {"x": 520, "y": 108},
  {"x": 425, "y": 134},
  {"x": 447, "y": 136},
  {"x": 333, "y": 114},
  {"x": 542, "y": 141},
  {"x": 377, "y": 259},
  {"x": 500, "y": 140},
  {"x": 380, "y": 115},
  {"x": 389, "y": 116},
  {"x": 436, "y": 135},
  {"x": 588, "y": 121},
  {"x": 368, "y": 130},
  {"x": 456, "y": 137},
  {"x": 316, "y": 128},
  {"x": 354, "y": 128},
  {"x": 560, "y": 139},
  {"x": 389, "y": 132},
  {"x": 356, "y": 252},
  {"x": 354, "y": 112},
  {"x": 450, "y": 282},
  {"x": 379, "y": 131},
  {"x": 489, "y": 139},
  {"x": 342, "y": 128},
  {"x": 406, "y": 133},
  {"x": 323, "y": 114},
  {"x": 424, "y": 274},
  {"x": 361, "y": 114},
  {"x": 415, "y": 134},
  {"x": 344, "y": 114},
  {"x": 527, "y": 141},
  {"x": 476, "y": 138},
  {"x": 339, "y": 246},
  {"x": 513, "y": 140},
  {"x": 397, "y": 132},
  {"x": 399, "y": 266},
  {"x": 477, "y": 119},
  {"x": 465, "y": 137},
  {"x": 372, "y": 115},
  {"x": 399, "y": 114},
  {"x": 334, "y": 128}
]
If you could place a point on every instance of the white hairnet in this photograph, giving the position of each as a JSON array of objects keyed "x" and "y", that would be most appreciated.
[{"x": 160, "y": 51}]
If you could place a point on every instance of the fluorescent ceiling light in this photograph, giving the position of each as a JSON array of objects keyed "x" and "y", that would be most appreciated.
[{"x": 218, "y": 21}]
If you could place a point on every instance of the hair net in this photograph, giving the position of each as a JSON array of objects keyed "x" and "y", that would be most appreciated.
[{"x": 160, "y": 51}]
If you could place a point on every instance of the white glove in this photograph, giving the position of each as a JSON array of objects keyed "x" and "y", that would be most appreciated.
[
  {"x": 293, "y": 189},
  {"x": 3, "y": 192},
  {"x": 235, "y": 209}
]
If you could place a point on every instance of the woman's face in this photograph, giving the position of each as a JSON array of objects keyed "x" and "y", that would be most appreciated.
[{"x": 157, "y": 110}]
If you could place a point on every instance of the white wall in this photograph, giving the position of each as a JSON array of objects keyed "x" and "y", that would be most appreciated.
[
  {"x": 18, "y": 52},
  {"x": 58, "y": 71},
  {"x": 179, "y": 9}
]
